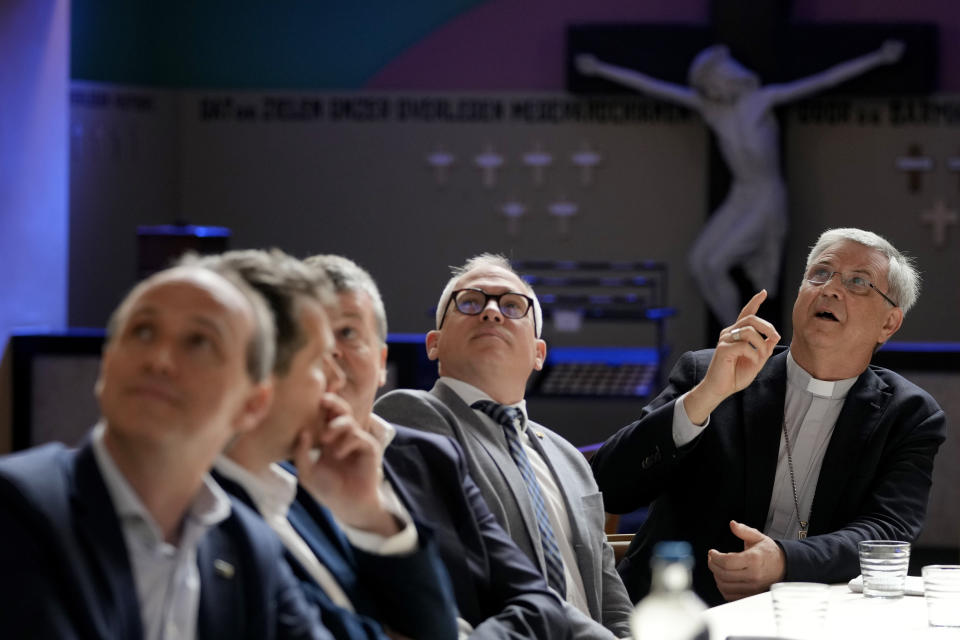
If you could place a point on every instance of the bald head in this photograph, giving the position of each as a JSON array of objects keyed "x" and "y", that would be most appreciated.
[
  {"x": 227, "y": 286},
  {"x": 186, "y": 366}
]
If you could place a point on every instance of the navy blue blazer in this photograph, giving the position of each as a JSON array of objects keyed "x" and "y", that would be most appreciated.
[
  {"x": 873, "y": 484},
  {"x": 66, "y": 574},
  {"x": 498, "y": 590},
  {"x": 408, "y": 593}
]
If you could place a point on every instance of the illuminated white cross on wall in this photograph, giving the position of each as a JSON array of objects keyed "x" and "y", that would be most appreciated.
[
  {"x": 440, "y": 160},
  {"x": 538, "y": 160},
  {"x": 939, "y": 218},
  {"x": 512, "y": 210},
  {"x": 489, "y": 161},
  {"x": 563, "y": 210},
  {"x": 586, "y": 158}
]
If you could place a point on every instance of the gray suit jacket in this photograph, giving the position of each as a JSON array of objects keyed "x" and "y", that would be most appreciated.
[{"x": 442, "y": 411}]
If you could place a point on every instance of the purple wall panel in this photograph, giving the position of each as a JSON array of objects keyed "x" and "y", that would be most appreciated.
[
  {"x": 34, "y": 48},
  {"x": 505, "y": 45}
]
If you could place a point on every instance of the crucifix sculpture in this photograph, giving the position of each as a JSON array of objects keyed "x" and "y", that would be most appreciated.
[{"x": 749, "y": 227}]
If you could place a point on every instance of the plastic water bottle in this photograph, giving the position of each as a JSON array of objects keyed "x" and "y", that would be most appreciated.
[{"x": 671, "y": 611}]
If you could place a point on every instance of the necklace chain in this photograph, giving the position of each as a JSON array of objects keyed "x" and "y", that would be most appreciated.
[{"x": 802, "y": 534}]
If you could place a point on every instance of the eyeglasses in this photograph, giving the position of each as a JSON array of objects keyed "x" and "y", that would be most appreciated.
[
  {"x": 472, "y": 302},
  {"x": 854, "y": 283}
]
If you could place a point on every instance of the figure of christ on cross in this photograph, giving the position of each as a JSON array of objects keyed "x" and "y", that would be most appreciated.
[{"x": 750, "y": 225}]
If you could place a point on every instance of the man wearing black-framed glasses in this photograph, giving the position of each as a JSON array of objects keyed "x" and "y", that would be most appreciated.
[
  {"x": 538, "y": 486},
  {"x": 775, "y": 462},
  {"x": 472, "y": 302}
]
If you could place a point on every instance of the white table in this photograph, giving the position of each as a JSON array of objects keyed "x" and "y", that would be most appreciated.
[{"x": 850, "y": 616}]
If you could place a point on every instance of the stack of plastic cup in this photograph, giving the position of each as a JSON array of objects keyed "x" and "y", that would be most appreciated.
[{"x": 941, "y": 590}]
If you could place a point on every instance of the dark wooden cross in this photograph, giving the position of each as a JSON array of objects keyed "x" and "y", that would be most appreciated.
[{"x": 915, "y": 164}]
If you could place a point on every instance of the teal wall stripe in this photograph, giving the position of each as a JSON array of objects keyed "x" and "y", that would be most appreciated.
[{"x": 298, "y": 44}]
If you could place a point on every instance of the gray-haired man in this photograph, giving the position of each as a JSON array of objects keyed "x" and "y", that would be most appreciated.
[
  {"x": 774, "y": 464},
  {"x": 499, "y": 592}
]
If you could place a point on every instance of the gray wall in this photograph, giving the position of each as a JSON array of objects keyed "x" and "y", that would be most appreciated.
[
  {"x": 841, "y": 158},
  {"x": 309, "y": 180},
  {"x": 364, "y": 189}
]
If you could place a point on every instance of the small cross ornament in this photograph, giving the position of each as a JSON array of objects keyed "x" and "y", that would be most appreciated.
[
  {"x": 914, "y": 164},
  {"x": 939, "y": 217}
]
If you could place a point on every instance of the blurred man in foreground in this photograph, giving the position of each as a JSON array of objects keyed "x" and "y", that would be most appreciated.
[
  {"x": 359, "y": 557},
  {"x": 128, "y": 537}
]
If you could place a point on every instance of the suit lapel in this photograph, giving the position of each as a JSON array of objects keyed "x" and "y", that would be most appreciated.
[
  {"x": 413, "y": 482},
  {"x": 329, "y": 544},
  {"x": 99, "y": 532},
  {"x": 858, "y": 419},
  {"x": 489, "y": 441},
  {"x": 222, "y": 589},
  {"x": 762, "y": 407},
  {"x": 405, "y": 455},
  {"x": 402, "y": 462},
  {"x": 316, "y": 527}
]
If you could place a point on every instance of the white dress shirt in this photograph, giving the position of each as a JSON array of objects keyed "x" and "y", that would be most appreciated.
[
  {"x": 274, "y": 491},
  {"x": 811, "y": 410},
  {"x": 166, "y": 576},
  {"x": 552, "y": 496}
]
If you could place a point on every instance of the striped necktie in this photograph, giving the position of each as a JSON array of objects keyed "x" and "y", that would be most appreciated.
[{"x": 510, "y": 418}]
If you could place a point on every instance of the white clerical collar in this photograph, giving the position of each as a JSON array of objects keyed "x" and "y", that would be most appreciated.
[
  {"x": 470, "y": 394},
  {"x": 798, "y": 377}
]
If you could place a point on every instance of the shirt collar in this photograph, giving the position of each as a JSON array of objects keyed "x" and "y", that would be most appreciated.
[
  {"x": 272, "y": 491},
  {"x": 209, "y": 506},
  {"x": 470, "y": 394},
  {"x": 382, "y": 430},
  {"x": 798, "y": 378}
]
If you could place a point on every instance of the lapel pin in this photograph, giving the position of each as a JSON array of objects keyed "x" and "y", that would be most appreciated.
[
  {"x": 223, "y": 568},
  {"x": 539, "y": 434}
]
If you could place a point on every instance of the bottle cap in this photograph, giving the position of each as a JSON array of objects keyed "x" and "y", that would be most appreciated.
[{"x": 673, "y": 551}]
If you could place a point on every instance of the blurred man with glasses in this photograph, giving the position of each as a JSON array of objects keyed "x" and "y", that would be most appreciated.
[
  {"x": 775, "y": 462},
  {"x": 540, "y": 488}
]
